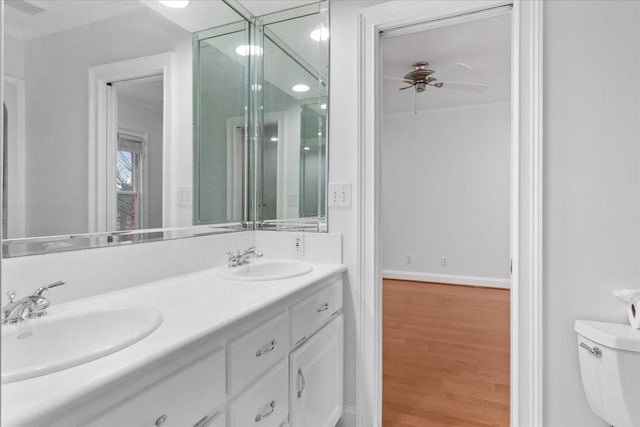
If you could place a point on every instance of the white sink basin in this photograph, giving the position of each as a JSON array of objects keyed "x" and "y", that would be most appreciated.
[
  {"x": 60, "y": 341},
  {"x": 266, "y": 270}
]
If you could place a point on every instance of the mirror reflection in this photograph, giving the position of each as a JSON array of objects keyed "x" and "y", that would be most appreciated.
[
  {"x": 126, "y": 116},
  {"x": 296, "y": 69}
]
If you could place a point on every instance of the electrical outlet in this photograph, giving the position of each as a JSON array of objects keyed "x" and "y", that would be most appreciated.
[
  {"x": 443, "y": 261},
  {"x": 340, "y": 194},
  {"x": 299, "y": 244},
  {"x": 184, "y": 195},
  {"x": 409, "y": 259}
]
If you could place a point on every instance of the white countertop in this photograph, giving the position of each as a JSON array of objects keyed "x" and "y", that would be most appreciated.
[{"x": 193, "y": 306}]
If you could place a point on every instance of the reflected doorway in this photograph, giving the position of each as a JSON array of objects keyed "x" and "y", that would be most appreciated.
[{"x": 135, "y": 143}]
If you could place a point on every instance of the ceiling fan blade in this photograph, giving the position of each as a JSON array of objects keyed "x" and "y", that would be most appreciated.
[
  {"x": 408, "y": 87},
  {"x": 396, "y": 78},
  {"x": 451, "y": 67},
  {"x": 470, "y": 87}
]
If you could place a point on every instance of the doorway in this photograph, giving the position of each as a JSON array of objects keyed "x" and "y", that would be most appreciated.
[
  {"x": 135, "y": 146},
  {"x": 527, "y": 213},
  {"x": 446, "y": 221}
]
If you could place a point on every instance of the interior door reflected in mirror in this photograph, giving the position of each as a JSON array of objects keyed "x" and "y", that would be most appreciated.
[{"x": 137, "y": 130}]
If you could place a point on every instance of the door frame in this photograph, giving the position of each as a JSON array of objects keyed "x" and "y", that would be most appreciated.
[
  {"x": 526, "y": 200},
  {"x": 15, "y": 196},
  {"x": 98, "y": 165}
]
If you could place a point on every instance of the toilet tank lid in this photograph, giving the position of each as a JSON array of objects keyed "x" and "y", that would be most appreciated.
[{"x": 612, "y": 335}]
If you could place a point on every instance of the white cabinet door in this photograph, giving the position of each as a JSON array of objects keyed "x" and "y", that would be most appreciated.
[{"x": 316, "y": 378}]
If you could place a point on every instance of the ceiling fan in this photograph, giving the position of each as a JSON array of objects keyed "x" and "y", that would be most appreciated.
[{"x": 421, "y": 77}]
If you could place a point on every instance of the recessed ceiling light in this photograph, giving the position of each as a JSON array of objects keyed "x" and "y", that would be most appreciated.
[
  {"x": 300, "y": 88},
  {"x": 319, "y": 133},
  {"x": 249, "y": 49},
  {"x": 307, "y": 148},
  {"x": 176, "y": 4},
  {"x": 273, "y": 139},
  {"x": 323, "y": 106},
  {"x": 320, "y": 34}
]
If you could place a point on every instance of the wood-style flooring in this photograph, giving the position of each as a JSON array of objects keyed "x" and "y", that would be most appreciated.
[{"x": 445, "y": 355}]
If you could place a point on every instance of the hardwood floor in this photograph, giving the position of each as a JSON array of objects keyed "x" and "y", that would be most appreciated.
[{"x": 445, "y": 355}]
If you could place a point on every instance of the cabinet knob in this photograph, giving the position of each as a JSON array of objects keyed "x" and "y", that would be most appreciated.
[{"x": 161, "y": 420}]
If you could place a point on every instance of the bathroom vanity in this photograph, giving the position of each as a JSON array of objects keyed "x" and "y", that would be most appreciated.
[{"x": 226, "y": 353}]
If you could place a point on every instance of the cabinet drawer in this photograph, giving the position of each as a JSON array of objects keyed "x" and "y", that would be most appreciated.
[
  {"x": 254, "y": 353},
  {"x": 184, "y": 398},
  {"x": 264, "y": 404},
  {"x": 309, "y": 316}
]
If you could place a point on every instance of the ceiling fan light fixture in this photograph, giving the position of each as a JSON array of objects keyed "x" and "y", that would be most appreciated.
[{"x": 175, "y": 4}]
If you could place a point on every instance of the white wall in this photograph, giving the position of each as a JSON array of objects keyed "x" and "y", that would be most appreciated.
[
  {"x": 445, "y": 193},
  {"x": 13, "y": 56},
  {"x": 56, "y": 72},
  {"x": 343, "y": 167},
  {"x": 592, "y": 183}
]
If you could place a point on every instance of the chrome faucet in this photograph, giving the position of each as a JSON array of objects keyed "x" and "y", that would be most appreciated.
[
  {"x": 31, "y": 307},
  {"x": 238, "y": 258}
]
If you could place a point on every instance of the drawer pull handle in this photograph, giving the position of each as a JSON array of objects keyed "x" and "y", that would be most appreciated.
[
  {"x": 271, "y": 346},
  {"x": 272, "y": 407},
  {"x": 302, "y": 382},
  {"x": 161, "y": 420},
  {"x": 323, "y": 307},
  {"x": 595, "y": 350}
]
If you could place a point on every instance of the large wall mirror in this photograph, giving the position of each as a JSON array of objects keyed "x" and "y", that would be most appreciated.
[
  {"x": 266, "y": 164},
  {"x": 130, "y": 121}
]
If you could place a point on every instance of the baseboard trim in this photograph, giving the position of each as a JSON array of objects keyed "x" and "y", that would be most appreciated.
[
  {"x": 348, "y": 418},
  {"x": 451, "y": 279}
]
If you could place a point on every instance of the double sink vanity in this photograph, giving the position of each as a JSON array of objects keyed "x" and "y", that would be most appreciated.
[
  {"x": 254, "y": 344},
  {"x": 157, "y": 138}
]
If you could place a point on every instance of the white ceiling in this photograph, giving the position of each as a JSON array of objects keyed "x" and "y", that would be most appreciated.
[
  {"x": 61, "y": 15},
  {"x": 483, "y": 44},
  {"x": 147, "y": 91}
]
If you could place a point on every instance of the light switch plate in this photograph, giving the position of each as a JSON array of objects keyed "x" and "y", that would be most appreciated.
[
  {"x": 185, "y": 195},
  {"x": 340, "y": 194}
]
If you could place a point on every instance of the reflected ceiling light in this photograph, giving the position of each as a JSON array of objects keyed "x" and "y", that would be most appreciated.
[
  {"x": 300, "y": 88},
  {"x": 249, "y": 49},
  {"x": 176, "y": 4},
  {"x": 255, "y": 87},
  {"x": 307, "y": 148},
  {"x": 320, "y": 34},
  {"x": 273, "y": 139},
  {"x": 323, "y": 106}
]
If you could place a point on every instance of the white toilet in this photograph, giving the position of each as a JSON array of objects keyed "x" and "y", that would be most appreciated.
[{"x": 610, "y": 366}]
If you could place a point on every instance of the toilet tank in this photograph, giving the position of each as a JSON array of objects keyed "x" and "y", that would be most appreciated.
[{"x": 609, "y": 355}]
